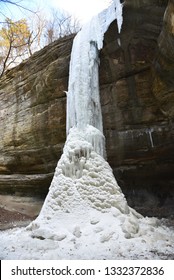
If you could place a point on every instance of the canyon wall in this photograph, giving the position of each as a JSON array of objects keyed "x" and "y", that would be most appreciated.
[
  {"x": 137, "y": 93},
  {"x": 33, "y": 119},
  {"x": 137, "y": 96}
]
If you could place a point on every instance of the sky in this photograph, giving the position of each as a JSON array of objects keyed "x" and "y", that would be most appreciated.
[{"x": 82, "y": 10}]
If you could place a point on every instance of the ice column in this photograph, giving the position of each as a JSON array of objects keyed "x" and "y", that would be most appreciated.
[
  {"x": 83, "y": 99},
  {"x": 83, "y": 103}
]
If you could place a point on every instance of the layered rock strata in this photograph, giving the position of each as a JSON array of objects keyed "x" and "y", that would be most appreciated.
[
  {"x": 137, "y": 89},
  {"x": 32, "y": 119}
]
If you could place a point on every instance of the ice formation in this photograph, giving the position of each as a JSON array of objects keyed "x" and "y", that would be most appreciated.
[
  {"x": 85, "y": 214},
  {"x": 83, "y": 179},
  {"x": 83, "y": 100}
]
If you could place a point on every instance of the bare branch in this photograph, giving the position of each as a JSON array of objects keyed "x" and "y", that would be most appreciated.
[
  {"x": 5, "y": 61},
  {"x": 15, "y": 3}
]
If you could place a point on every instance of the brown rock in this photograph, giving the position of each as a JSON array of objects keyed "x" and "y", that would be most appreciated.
[
  {"x": 32, "y": 119},
  {"x": 137, "y": 104}
]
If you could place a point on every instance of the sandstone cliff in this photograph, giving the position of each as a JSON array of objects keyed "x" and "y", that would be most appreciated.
[
  {"x": 137, "y": 93},
  {"x": 32, "y": 119},
  {"x": 137, "y": 96}
]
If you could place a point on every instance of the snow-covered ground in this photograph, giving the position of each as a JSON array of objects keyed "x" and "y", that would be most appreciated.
[
  {"x": 91, "y": 235},
  {"x": 85, "y": 214}
]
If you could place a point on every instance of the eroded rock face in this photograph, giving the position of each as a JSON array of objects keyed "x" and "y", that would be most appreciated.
[
  {"x": 136, "y": 84},
  {"x": 32, "y": 119},
  {"x": 145, "y": 3},
  {"x": 137, "y": 87},
  {"x": 163, "y": 84}
]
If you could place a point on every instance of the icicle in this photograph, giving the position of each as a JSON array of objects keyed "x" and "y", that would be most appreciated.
[
  {"x": 150, "y": 137},
  {"x": 119, "y": 41},
  {"x": 119, "y": 16}
]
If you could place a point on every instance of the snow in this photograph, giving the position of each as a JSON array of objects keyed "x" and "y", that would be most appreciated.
[
  {"x": 85, "y": 214},
  {"x": 90, "y": 234}
]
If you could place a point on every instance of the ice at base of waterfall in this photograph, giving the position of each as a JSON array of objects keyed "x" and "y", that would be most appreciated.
[
  {"x": 85, "y": 216},
  {"x": 91, "y": 235}
]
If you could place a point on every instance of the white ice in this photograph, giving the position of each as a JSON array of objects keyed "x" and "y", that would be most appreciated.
[
  {"x": 85, "y": 214},
  {"x": 83, "y": 100}
]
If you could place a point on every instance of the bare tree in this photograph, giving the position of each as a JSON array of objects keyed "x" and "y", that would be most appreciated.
[
  {"x": 20, "y": 39},
  {"x": 37, "y": 23},
  {"x": 13, "y": 2},
  {"x": 14, "y": 40},
  {"x": 59, "y": 25},
  {"x": 17, "y": 3}
]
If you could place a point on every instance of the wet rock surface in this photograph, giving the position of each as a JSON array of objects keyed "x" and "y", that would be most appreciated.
[{"x": 136, "y": 83}]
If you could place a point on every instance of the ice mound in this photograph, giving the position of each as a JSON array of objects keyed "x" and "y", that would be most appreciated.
[
  {"x": 82, "y": 180},
  {"x": 86, "y": 214}
]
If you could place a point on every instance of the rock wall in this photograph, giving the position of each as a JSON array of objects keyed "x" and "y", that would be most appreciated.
[
  {"x": 32, "y": 119},
  {"x": 137, "y": 92},
  {"x": 137, "y": 89}
]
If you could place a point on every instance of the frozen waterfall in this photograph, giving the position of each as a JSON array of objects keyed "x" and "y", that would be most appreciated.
[
  {"x": 85, "y": 214},
  {"x": 83, "y": 99},
  {"x": 84, "y": 188},
  {"x": 83, "y": 179}
]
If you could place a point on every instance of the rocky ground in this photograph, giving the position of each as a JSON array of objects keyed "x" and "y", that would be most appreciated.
[
  {"x": 18, "y": 211},
  {"x": 9, "y": 219}
]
